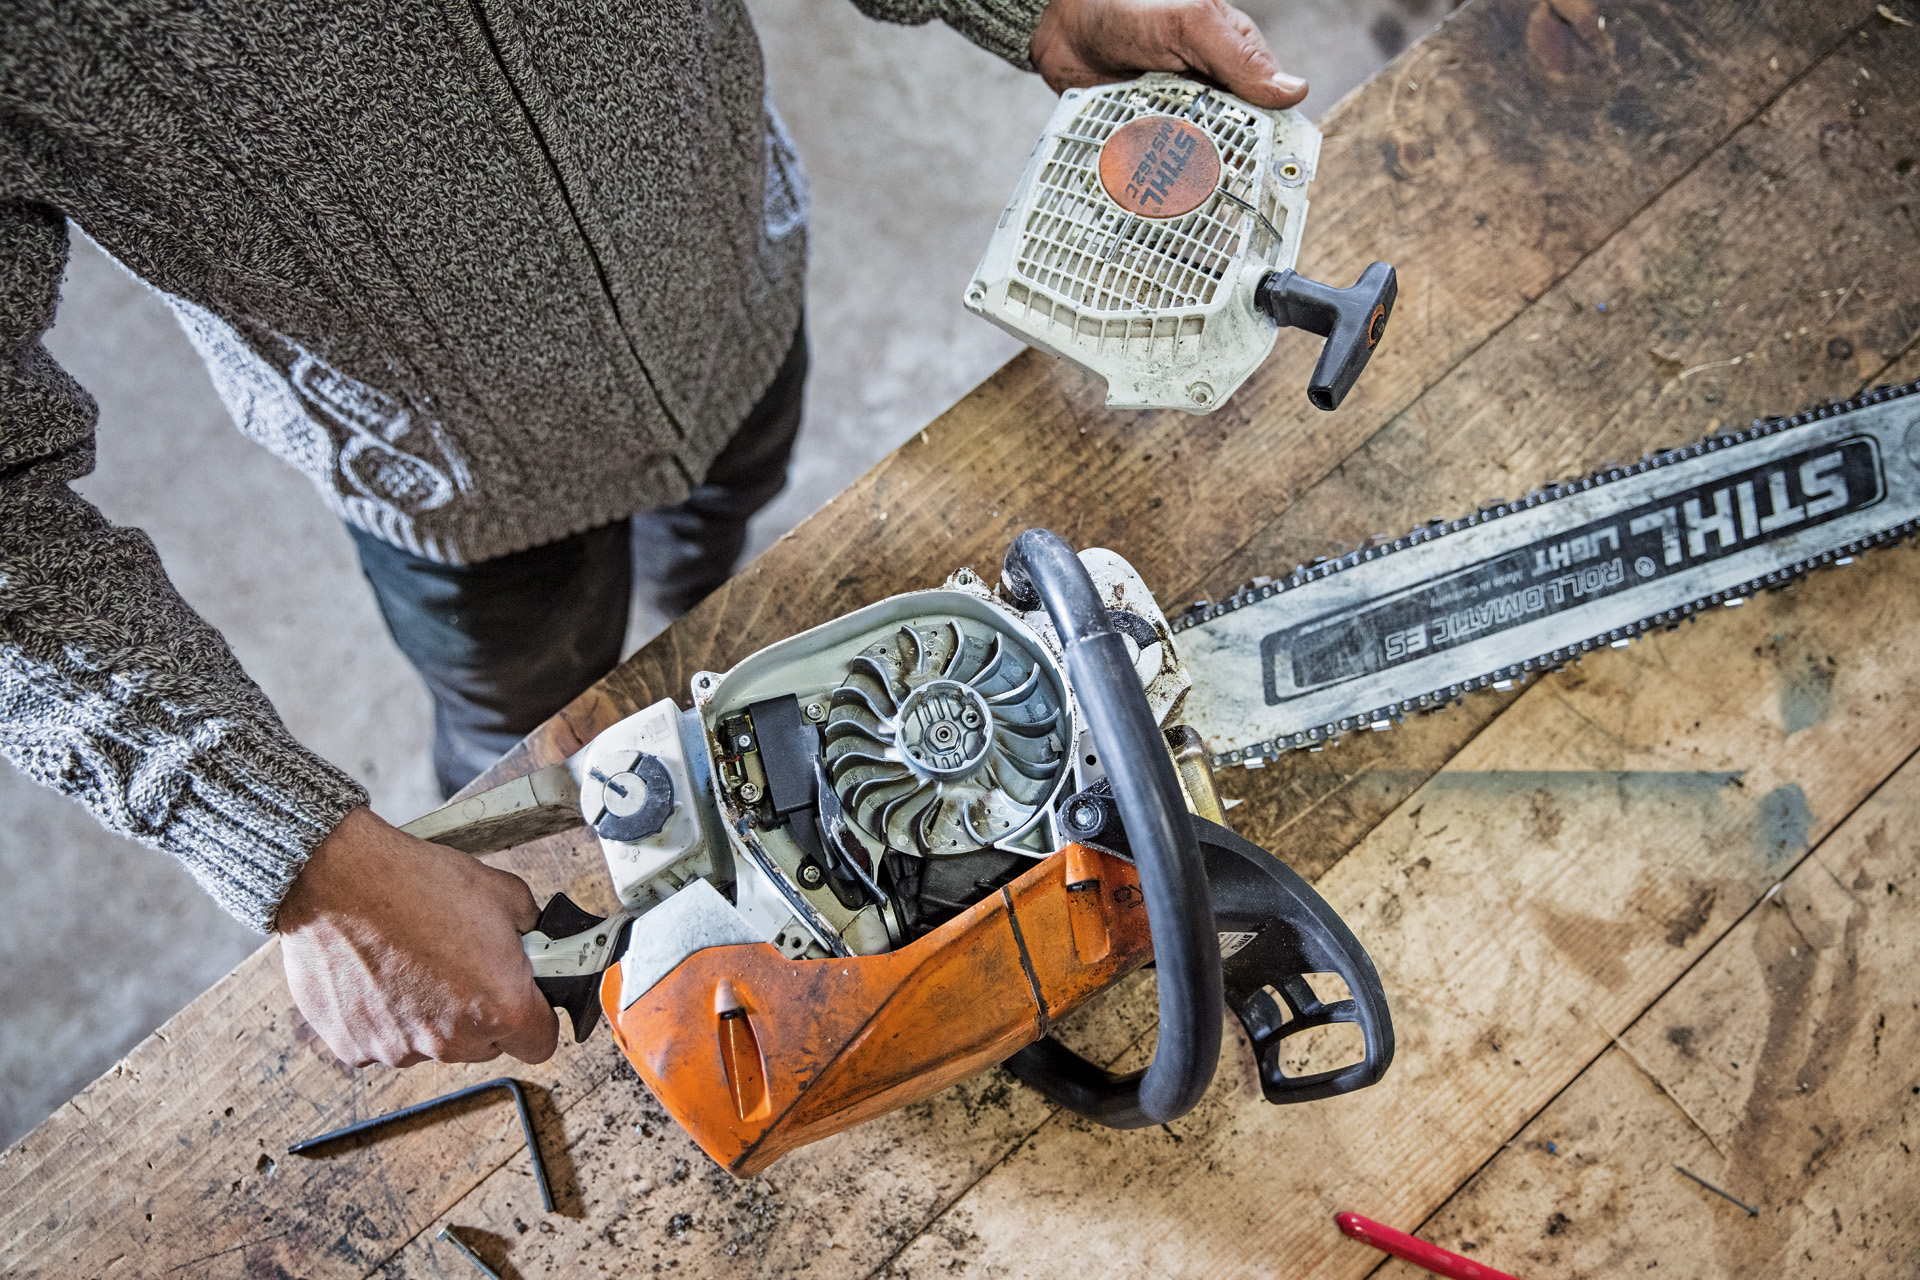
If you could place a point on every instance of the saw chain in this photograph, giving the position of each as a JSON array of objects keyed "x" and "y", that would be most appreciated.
[{"x": 1519, "y": 588}]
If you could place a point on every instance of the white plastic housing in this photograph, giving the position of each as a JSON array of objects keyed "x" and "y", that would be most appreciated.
[
  {"x": 648, "y": 870},
  {"x": 1161, "y": 308}
]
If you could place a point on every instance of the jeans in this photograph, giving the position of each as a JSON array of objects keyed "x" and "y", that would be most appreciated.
[{"x": 505, "y": 643}]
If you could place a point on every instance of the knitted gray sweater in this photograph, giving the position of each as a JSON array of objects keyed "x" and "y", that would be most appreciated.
[{"x": 488, "y": 272}]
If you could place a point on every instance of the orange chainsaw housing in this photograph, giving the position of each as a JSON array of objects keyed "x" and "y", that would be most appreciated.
[{"x": 755, "y": 1054}]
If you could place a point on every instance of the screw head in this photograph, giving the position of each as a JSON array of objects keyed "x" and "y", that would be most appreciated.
[
  {"x": 816, "y": 712},
  {"x": 810, "y": 875},
  {"x": 749, "y": 793}
]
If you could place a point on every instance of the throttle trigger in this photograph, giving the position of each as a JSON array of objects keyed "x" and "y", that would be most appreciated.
[
  {"x": 579, "y": 995},
  {"x": 570, "y": 949},
  {"x": 562, "y": 918}
]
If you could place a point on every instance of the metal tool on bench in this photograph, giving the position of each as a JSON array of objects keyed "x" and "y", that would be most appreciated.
[
  {"x": 884, "y": 853},
  {"x": 1152, "y": 240},
  {"x": 312, "y": 1146}
]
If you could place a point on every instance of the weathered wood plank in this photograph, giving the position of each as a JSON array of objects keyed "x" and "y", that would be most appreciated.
[
  {"x": 1793, "y": 1042},
  {"x": 1510, "y": 1206},
  {"x": 1581, "y": 853},
  {"x": 1787, "y": 248},
  {"x": 177, "y": 1157}
]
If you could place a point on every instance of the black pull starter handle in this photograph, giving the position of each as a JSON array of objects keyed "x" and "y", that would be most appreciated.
[{"x": 1351, "y": 320}]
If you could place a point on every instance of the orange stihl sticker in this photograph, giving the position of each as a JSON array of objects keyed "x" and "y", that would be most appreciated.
[{"x": 1159, "y": 166}]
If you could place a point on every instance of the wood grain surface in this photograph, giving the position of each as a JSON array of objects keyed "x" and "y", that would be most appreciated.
[
  {"x": 1592, "y": 219},
  {"x": 1792, "y": 1043}
]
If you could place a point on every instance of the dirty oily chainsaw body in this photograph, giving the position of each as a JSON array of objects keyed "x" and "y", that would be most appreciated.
[{"x": 884, "y": 854}]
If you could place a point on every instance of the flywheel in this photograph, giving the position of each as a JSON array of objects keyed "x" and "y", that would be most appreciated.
[{"x": 945, "y": 737}]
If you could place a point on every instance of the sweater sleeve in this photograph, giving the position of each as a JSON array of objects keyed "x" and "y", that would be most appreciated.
[
  {"x": 112, "y": 690},
  {"x": 1002, "y": 27}
]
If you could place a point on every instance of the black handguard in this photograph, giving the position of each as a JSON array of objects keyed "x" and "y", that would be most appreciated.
[{"x": 1293, "y": 933}]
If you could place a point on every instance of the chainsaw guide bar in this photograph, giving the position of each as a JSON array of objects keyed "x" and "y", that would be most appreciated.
[{"x": 1522, "y": 587}]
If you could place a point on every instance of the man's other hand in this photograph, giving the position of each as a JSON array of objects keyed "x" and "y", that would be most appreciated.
[
  {"x": 1087, "y": 42},
  {"x": 398, "y": 951}
]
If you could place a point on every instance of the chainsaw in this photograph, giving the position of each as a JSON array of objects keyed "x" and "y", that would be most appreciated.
[
  {"x": 877, "y": 857},
  {"x": 880, "y": 856},
  {"x": 884, "y": 854}
]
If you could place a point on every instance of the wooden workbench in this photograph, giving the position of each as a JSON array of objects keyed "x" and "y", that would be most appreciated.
[{"x": 1657, "y": 910}]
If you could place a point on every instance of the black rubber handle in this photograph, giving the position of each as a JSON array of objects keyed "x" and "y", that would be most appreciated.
[
  {"x": 1294, "y": 933},
  {"x": 1042, "y": 569},
  {"x": 578, "y": 994},
  {"x": 1351, "y": 320}
]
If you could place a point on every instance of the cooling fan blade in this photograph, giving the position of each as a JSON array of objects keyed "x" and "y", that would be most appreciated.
[{"x": 946, "y": 737}]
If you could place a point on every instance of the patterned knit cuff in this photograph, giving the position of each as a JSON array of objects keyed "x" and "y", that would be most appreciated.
[
  {"x": 1001, "y": 27},
  {"x": 256, "y": 809}
]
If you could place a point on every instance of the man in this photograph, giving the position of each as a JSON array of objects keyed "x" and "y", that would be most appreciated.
[{"x": 497, "y": 278}]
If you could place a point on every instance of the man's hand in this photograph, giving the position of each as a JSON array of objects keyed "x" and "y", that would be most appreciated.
[
  {"x": 1087, "y": 42},
  {"x": 398, "y": 951}
]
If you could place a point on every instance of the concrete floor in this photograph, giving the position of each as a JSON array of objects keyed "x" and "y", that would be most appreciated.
[{"x": 913, "y": 139}]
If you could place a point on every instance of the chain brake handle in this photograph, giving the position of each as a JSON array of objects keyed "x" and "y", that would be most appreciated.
[{"x": 1352, "y": 321}]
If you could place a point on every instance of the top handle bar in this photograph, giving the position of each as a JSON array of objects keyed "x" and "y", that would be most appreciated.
[{"x": 1042, "y": 569}]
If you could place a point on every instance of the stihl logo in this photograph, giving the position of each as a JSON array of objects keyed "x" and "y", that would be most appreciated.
[
  {"x": 1822, "y": 490},
  {"x": 1160, "y": 168},
  {"x": 1647, "y": 541}
]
